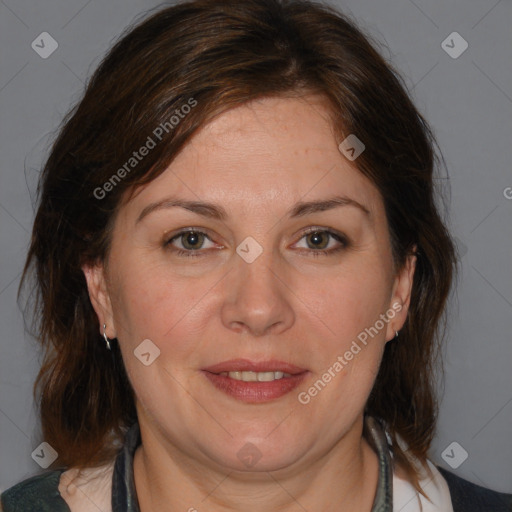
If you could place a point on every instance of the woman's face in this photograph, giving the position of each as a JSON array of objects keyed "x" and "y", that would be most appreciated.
[{"x": 252, "y": 289}]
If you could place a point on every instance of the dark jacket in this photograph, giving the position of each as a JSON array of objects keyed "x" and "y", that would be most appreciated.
[
  {"x": 468, "y": 497},
  {"x": 40, "y": 494}
]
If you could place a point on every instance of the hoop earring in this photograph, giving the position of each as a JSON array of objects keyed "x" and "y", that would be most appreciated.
[{"x": 107, "y": 341}]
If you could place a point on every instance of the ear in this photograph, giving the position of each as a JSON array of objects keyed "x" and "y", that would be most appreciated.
[
  {"x": 95, "y": 276},
  {"x": 401, "y": 295}
]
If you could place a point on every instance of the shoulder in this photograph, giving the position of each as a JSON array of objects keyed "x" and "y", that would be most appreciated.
[
  {"x": 445, "y": 491},
  {"x": 39, "y": 493},
  {"x": 62, "y": 491},
  {"x": 469, "y": 497}
]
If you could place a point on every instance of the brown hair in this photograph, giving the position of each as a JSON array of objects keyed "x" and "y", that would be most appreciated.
[{"x": 221, "y": 54}]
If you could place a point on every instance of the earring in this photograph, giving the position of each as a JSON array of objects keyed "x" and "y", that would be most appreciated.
[
  {"x": 396, "y": 335},
  {"x": 107, "y": 341}
]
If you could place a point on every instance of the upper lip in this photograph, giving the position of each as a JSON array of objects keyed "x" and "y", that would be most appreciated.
[{"x": 245, "y": 365}]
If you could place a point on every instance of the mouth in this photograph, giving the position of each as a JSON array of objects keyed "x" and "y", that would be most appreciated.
[
  {"x": 255, "y": 382},
  {"x": 256, "y": 376}
]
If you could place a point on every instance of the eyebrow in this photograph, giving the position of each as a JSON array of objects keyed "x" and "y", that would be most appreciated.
[
  {"x": 305, "y": 208},
  {"x": 217, "y": 212}
]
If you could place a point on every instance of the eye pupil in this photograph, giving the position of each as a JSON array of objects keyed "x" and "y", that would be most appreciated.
[
  {"x": 318, "y": 239},
  {"x": 192, "y": 240}
]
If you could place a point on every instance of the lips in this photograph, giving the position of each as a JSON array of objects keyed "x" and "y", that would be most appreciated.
[
  {"x": 245, "y": 365},
  {"x": 255, "y": 391}
]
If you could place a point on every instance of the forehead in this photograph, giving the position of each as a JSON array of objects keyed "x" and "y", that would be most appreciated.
[{"x": 269, "y": 153}]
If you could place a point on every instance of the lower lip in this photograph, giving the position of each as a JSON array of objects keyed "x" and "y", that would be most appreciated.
[{"x": 255, "y": 392}]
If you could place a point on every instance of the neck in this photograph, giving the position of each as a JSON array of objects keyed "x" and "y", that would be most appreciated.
[{"x": 169, "y": 480}]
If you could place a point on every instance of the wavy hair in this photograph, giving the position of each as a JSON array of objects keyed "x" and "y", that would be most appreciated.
[{"x": 222, "y": 54}]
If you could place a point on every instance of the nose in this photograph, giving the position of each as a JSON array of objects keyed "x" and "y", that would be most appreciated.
[{"x": 257, "y": 299}]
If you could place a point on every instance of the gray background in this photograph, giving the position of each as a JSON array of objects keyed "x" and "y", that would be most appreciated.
[{"x": 468, "y": 100}]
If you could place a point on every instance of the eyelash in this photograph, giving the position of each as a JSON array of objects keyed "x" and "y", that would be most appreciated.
[{"x": 314, "y": 252}]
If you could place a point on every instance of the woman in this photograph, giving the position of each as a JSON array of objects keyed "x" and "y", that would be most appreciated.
[{"x": 241, "y": 272}]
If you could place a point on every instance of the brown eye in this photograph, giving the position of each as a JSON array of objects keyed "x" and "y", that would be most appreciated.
[
  {"x": 318, "y": 239},
  {"x": 189, "y": 243},
  {"x": 192, "y": 240},
  {"x": 322, "y": 242}
]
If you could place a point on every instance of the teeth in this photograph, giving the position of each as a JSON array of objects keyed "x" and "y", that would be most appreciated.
[{"x": 255, "y": 376}]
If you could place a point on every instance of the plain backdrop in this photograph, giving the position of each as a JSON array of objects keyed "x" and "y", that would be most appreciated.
[{"x": 468, "y": 101}]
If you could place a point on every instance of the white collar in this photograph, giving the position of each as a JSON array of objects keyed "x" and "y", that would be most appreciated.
[{"x": 407, "y": 499}]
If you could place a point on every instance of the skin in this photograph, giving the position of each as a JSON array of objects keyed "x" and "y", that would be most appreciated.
[{"x": 256, "y": 162}]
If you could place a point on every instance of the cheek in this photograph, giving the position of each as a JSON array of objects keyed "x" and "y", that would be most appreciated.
[
  {"x": 352, "y": 301},
  {"x": 150, "y": 302},
  {"x": 351, "y": 355},
  {"x": 351, "y": 352},
  {"x": 149, "y": 305}
]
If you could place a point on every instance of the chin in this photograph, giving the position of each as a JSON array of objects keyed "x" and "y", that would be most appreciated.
[{"x": 255, "y": 454}]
